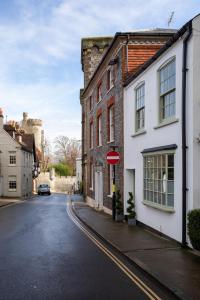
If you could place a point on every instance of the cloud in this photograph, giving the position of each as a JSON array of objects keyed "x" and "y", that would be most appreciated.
[{"x": 40, "y": 68}]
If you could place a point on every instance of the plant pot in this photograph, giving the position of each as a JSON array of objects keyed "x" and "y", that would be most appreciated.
[
  {"x": 132, "y": 222},
  {"x": 119, "y": 218}
]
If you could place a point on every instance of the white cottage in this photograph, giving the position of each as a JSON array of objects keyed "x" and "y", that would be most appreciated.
[
  {"x": 17, "y": 155},
  {"x": 162, "y": 134}
]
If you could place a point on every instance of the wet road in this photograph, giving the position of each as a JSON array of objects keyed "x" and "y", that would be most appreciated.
[{"x": 44, "y": 255}]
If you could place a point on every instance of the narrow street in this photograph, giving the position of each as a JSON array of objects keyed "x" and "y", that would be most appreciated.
[{"x": 44, "y": 255}]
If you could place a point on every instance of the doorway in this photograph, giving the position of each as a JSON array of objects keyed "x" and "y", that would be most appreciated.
[{"x": 99, "y": 189}]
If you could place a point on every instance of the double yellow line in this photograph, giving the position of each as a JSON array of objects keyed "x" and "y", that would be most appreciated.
[{"x": 118, "y": 262}]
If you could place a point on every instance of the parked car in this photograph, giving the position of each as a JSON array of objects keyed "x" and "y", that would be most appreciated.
[{"x": 44, "y": 189}]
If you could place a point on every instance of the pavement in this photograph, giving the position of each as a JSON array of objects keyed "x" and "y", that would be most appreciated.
[
  {"x": 8, "y": 201},
  {"x": 176, "y": 268}
]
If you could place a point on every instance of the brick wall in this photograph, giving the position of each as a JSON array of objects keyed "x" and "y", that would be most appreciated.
[{"x": 138, "y": 53}]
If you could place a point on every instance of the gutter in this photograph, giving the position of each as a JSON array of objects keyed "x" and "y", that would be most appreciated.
[{"x": 184, "y": 145}]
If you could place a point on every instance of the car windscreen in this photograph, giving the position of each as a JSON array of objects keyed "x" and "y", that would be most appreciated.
[{"x": 43, "y": 186}]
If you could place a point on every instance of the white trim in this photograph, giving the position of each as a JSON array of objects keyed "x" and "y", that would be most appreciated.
[{"x": 166, "y": 62}]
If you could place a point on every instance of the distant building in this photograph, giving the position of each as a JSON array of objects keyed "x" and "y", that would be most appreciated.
[
  {"x": 18, "y": 161},
  {"x": 33, "y": 126}
]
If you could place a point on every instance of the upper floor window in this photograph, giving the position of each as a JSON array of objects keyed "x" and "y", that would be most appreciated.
[
  {"x": 167, "y": 91},
  {"x": 111, "y": 123},
  {"x": 140, "y": 107},
  {"x": 110, "y": 78},
  {"x": 12, "y": 159},
  {"x": 91, "y": 135},
  {"x": 90, "y": 103},
  {"x": 99, "y": 92},
  {"x": 99, "y": 130}
]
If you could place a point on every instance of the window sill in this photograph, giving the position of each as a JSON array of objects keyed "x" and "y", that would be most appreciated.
[
  {"x": 165, "y": 123},
  {"x": 91, "y": 189},
  {"x": 99, "y": 146},
  {"x": 12, "y": 190},
  {"x": 110, "y": 142},
  {"x": 109, "y": 196},
  {"x": 139, "y": 133},
  {"x": 158, "y": 206}
]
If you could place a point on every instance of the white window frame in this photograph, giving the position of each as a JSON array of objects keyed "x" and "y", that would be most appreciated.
[
  {"x": 140, "y": 106},
  {"x": 169, "y": 92},
  {"x": 90, "y": 103},
  {"x": 111, "y": 123},
  {"x": 91, "y": 135},
  {"x": 99, "y": 92},
  {"x": 12, "y": 160},
  {"x": 99, "y": 120},
  {"x": 110, "y": 78},
  {"x": 156, "y": 182},
  {"x": 12, "y": 183}
]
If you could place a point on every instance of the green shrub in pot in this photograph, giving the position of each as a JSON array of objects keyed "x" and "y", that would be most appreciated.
[{"x": 194, "y": 228}]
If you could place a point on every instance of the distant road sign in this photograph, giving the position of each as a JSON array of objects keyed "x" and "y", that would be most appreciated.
[{"x": 113, "y": 157}]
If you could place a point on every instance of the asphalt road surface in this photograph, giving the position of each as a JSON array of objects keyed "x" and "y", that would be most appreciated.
[{"x": 44, "y": 255}]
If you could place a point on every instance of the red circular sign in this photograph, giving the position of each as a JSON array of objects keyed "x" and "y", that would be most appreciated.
[{"x": 113, "y": 157}]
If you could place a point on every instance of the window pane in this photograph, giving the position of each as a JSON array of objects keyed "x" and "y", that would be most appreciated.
[
  {"x": 170, "y": 160},
  {"x": 170, "y": 187},
  {"x": 170, "y": 200},
  {"x": 170, "y": 174}
]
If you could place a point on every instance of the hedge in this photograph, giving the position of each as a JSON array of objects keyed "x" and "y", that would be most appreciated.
[{"x": 194, "y": 228}]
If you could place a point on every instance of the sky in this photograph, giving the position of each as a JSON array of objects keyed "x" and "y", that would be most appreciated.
[{"x": 40, "y": 41}]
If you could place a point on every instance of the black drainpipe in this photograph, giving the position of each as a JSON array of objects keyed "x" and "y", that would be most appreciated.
[{"x": 184, "y": 145}]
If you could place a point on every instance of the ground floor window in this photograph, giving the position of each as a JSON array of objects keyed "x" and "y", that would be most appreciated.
[
  {"x": 12, "y": 183},
  {"x": 159, "y": 179}
]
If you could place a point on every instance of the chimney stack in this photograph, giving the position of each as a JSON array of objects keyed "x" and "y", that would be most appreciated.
[{"x": 1, "y": 118}]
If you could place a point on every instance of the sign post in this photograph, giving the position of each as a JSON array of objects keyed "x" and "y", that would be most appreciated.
[{"x": 113, "y": 158}]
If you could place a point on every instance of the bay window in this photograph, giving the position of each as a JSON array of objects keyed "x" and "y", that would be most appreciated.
[{"x": 159, "y": 179}]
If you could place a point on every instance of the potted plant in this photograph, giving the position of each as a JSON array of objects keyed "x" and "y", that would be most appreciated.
[
  {"x": 131, "y": 210},
  {"x": 119, "y": 216},
  {"x": 194, "y": 228}
]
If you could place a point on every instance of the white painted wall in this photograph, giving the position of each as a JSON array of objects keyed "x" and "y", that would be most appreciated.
[
  {"x": 22, "y": 170},
  {"x": 168, "y": 223}
]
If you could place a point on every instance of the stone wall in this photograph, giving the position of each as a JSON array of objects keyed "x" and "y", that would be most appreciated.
[
  {"x": 91, "y": 54},
  {"x": 58, "y": 184}
]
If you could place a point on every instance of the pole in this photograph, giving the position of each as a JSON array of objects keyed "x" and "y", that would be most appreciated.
[
  {"x": 114, "y": 192},
  {"x": 113, "y": 196}
]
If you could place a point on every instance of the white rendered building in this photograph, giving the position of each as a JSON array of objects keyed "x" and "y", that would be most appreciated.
[
  {"x": 16, "y": 162},
  {"x": 161, "y": 134}
]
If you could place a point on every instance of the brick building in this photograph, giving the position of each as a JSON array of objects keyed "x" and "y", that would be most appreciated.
[{"x": 106, "y": 63}]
